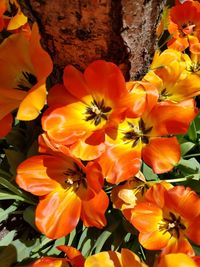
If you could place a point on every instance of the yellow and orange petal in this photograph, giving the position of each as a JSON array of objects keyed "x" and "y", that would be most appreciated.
[
  {"x": 114, "y": 259},
  {"x": 162, "y": 154},
  {"x": 23, "y": 79},
  {"x": 58, "y": 213},
  {"x": 180, "y": 259}
]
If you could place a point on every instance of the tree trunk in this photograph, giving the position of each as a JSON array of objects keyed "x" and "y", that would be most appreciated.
[{"x": 80, "y": 31}]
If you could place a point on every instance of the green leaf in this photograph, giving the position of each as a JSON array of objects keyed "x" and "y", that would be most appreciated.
[
  {"x": 190, "y": 166},
  {"x": 4, "y": 213},
  {"x": 21, "y": 195},
  {"x": 7, "y": 239},
  {"x": 192, "y": 132},
  {"x": 186, "y": 147},
  {"x": 148, "y": 173},
  {"x": 54, "y": 250}
]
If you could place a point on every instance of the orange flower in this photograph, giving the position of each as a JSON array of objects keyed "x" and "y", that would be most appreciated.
[
  {"x": 166, "y": 218},
  {"x": 114, "y": 259},
  {"x": 174, "y": 76},
  {"x": 184, "y": 26},
  {"x": 24, "y": 68},
  {"x": 89, "y": 104},
  {"x": 126, "y": 196},
  {"x": 146, "y": 138},
  {"x": 73, "y": 257},
  {"x": 11, "y": 16},
  {"x": 68, "y": 191}
]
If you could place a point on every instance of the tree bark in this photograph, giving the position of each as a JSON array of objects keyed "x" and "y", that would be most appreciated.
[{"x": 80, "y": 31}]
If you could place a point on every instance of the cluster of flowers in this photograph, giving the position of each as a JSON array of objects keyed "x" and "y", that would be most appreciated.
[
  {"x": 97, "y": 129},
  {"x": 112, "y": 259}
]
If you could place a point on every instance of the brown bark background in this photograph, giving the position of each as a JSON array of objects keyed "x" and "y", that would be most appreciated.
[{"x": 80, "y": 31}]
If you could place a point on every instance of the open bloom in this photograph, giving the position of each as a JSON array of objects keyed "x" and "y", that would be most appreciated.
[
  {"x": 73, "y": 256},
  {"x": 114, "y": 259},
  {"x": 68, "y": 191},
  {"x": 91, "y": 103},
  {"x": 11, "y": 16},
  {"x": 24, "y": 67},
  {"x": 184, "y": 26},
  {"x": 126, "y": 196},
  {"x": 167, "y": 218},
  {"x": 174, "y": 76},
  {"x": 148, "y": 138}
]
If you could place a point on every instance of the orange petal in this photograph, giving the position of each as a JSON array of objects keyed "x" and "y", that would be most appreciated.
[
  {"x": 181, "y": 245},
  {"x": 85, "y": 151},
  {"x": 93, "y": 211},
  {"x": 106, "y": 79},
  {"x": 182, "y": 200},
  {"x": 154, "y": 240},
  {"x": 58, "y": 95},
  {"x": 130, "y": 259},
  {"x": 161, "y": 154},
  {"x": 105, "y": 259},
  {"x": 50, "y": 262},
  {"x": 165, "y": 123},
  {"x": 146, "y": 217},
  {"x": 119, "y": 163},
  {"x": 94, "y": 175},
  {"x": 180, "y": 259},
  {"x": 74, "y": 255},
  {"x": 32, "y": 104},
  {"x": 58, "y": 213},
  {"x": 74, "y": 82},
  {"x": 193, "y": 232},
  {"x": 40, "y": 175}
]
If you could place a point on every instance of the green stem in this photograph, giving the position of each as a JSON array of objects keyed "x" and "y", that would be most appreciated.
[{"x": 191, "y": 155}]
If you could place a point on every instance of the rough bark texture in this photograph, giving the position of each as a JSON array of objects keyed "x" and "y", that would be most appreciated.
[{"x": 80, "y": 31}]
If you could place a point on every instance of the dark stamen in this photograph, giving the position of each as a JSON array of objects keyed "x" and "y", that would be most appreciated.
[{"x": 97, "y": 111}]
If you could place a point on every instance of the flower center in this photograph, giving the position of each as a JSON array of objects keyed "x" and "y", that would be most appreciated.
[
  {"x": 26, "y": 81},
  {"x": 74, "y": 177},
  {"x": 137, "y": 133},
  {"x": 194, "y": 67},
  {"x": 187, "y": 28},
  {"x": 173, "y": 225},
  {"x": 97, "y": 112},
  {"x": 164, "y": 95}
]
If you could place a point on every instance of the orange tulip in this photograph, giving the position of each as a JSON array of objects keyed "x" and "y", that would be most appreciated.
[
  {"x": 86, "y": 106},
  {"x": 146, "y": 138},
  {"x": 174, "y": 75},
  {"x": 166, "y": 218},
  {"x": 68, "y": 191},
  {"x": 73, "y": 257},
  {"x": 24, "y": 68},
  {"x": 184, "y": 26},
  {"x": 114, "y": 259}
]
